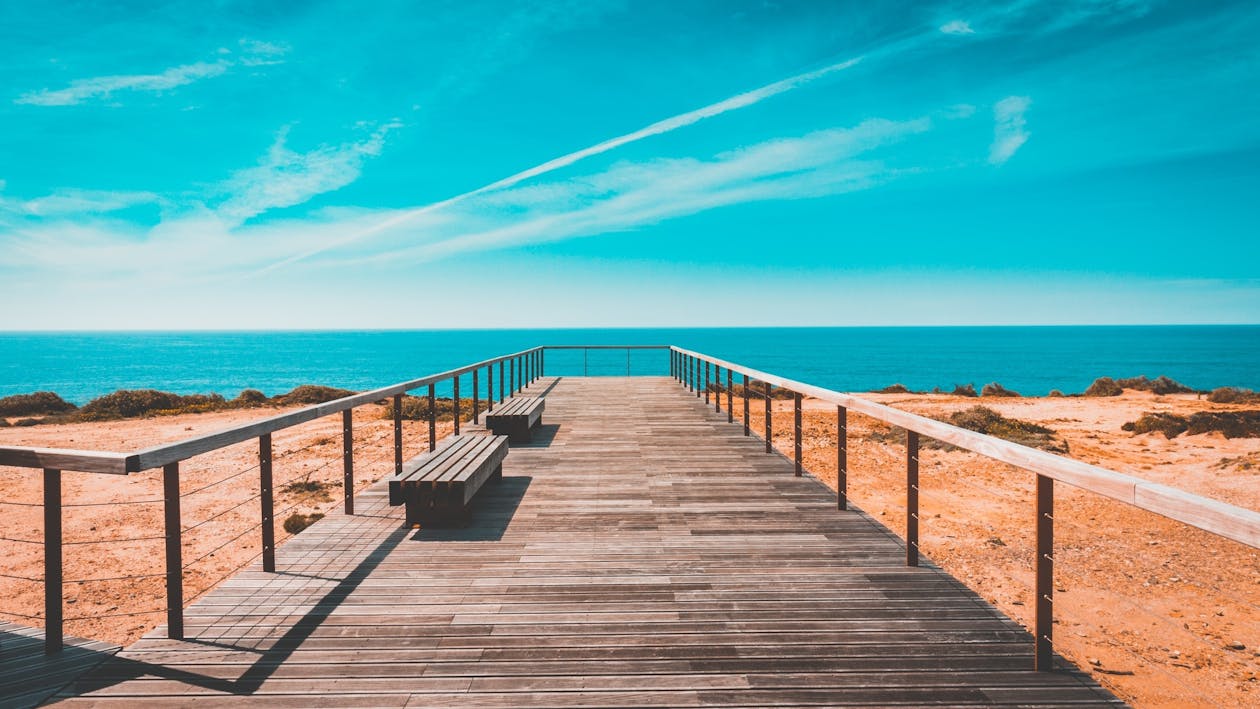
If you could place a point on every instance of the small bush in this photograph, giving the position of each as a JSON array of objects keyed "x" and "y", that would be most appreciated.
[
  {"x": 4, "y": 422},
  {"x": 1055, "y": 394},
  {"x": 298, "y": 522},
  {"x": 250, "y": 398},
  {"x": 314, "y": 488},
  {"x": 28, "y": 422},
  {"x": 965, "y": 390},
  {"x": 984, "y": 420},
  {"x": 1231, "y": 424},
  {"x": 416, "y": 408},
  {"x": 1159, "y": 385},
  {"x": 895, "y": 389},
  {"x": 1104, "y": 386},
  {"x": 997, "y": 390},
  {"x": 1232, "y": 395},
  {"x": 308, "y": 394},
  {"x": 132, "y": 403},
  {"x": 41, "y": 403}
]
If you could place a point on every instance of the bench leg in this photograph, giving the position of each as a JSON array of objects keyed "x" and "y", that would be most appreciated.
[{"x": 497, "y": 475}]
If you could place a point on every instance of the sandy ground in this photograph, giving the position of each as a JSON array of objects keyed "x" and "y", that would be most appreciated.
[{"x": 1136, "y": 593}]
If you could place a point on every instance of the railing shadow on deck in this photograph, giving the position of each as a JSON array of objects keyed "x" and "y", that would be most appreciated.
[
  {"x": 116, "y": 670},
  {"x": 492, "y": 513}
]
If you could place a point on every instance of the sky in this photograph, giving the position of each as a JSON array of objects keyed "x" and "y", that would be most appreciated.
[{"x": 602, "y": 163}]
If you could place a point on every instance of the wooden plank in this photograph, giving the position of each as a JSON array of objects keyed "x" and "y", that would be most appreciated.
[{"x": 67, "y": 459}]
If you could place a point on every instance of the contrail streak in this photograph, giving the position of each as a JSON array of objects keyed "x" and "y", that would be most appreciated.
[{"x": 681, "y": 120}]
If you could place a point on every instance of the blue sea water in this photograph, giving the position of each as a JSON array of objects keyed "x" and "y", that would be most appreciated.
[{"x": 1031, "y": 360}]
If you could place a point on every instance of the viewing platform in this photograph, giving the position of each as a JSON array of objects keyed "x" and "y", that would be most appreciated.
[{"x": 646, "y": 553}]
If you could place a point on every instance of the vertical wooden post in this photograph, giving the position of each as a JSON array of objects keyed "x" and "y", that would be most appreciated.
[
  {"x": 502, "y": 382},
  {"x": 489, "y": 387},
  {"x": 266, "y": 489},
  {"x": 512, "y": 373},
  {"x": 347, "y": 458},
  {"x": 706, "y": 381},
  {"x": 747, "y": 428},
  {"x": 730, "y": 398},
  {"x": 398, "y": 458},
  {"x": 769, "y": 430},
  {"x": 1044, "y": 624},
  {"x": 672, "y": 372},
  {"x": 455, "y": 403},
  {"x": 842, "y": 458},
  {"x": 796, "y": 431},
  {"x": 717, "y": 395},
  {"x": 476, "y": 397},
  {"x": 53, "y": 602},
  {"x": 912, "y": 498},
  {"x": 698, "y": 387},
  {"x": 542, "y": 362},
  {"x": 174, "y": 553},
  {"x": 432, "y": 418},
  {"x": 689, "y": 373}
]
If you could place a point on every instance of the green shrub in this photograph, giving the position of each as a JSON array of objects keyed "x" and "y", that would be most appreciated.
[
  {"x": 1055, "y": 394},
  {"x": 29, "y": 422},
  {"x": 984, "y": 420},
  {"x": 895, "y": 389},
  {"x": 1159, "y": 385},
  {"x": 250, "y": 398},
  {"x": 298, "y": 522},
  {"x": 965, "y": 390},
  {"x": 308, "y": 394},
  {"x": 4, "y": 422},
  {"x": 1104, "y": 386},
  {"x": 41, "y": 403},
  {"x": 416, "y": 408},
  {"x": 1232, "y": 395},
  {"x": 314, "y": 488},
  {"x": 1231, "y": 424},
  {"x": 997, "y": 390},
  {"x": 132, "y": 403}
]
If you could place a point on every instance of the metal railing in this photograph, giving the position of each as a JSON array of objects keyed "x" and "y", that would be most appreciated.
[
  {"x": 699, "y": 373},
  {"x": 515, "y": 371}
]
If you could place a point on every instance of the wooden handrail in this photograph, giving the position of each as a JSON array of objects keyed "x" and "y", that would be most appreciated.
[{"x": 1223, "y": 519}]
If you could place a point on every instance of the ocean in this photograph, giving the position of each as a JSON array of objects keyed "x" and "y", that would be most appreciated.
[{"x": 1030, "y": 360}]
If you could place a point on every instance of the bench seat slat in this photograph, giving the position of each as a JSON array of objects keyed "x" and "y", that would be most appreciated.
[{"x": 517, "y": 418}]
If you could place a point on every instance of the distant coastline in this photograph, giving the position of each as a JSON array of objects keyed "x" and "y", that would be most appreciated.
[{"x": 1032, "y": 360}]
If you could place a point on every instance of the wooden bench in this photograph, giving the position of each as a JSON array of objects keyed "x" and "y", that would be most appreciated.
[
  {"x": 516, "y": 418},
  {"x": 437, "y": 487}
]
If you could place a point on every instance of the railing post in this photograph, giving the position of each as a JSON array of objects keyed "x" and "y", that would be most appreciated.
[
  {"x": 706, "y": 381},
  {"x": 717, "y": 395},
  {"x": 747, "y": 428},
  {"x": 912, "y": 498},
  {"x": 842, "y": 458},
  {"x": 347, "y": 457},
  {"x": 53, "y": 615},
  {"x": 476, "y": 397},
  {"x": 796, "y": 429},
  {"x": 267, "y": 499},
  {"x": 1044, "y": 624},
  {"x": 174, "y": 553},
  {"x": 769, "y": 430},
  {"x": 730, "y": 397},
  {"x": 489, "y": 388},
  {"x": 542, "y": 362},
  {"x": 432, "y": 417},
  {"x": 502, "y": 382},
  {"x": 512, "y": 373},
  {"x": 455, "y": 403},
  {"x": 689, "y": 372},
  {"x": 398, "y": 434},
  {"x": 698, "y": 387}
]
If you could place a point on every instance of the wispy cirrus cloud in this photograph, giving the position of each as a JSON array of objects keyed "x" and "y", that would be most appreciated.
[
  {"x": 743, "y": 100},
  {"x": 253, "y": 53},
  {"x": 1009, "y": 128},
  {"x": 284, "y": 177},
  {"x": 68, "y": 202}
]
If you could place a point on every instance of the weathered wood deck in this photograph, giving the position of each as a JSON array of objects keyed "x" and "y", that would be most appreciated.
[{"x": 640, "y": 552}]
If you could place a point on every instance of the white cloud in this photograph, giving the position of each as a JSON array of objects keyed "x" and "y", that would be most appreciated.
[
  {"x": 1009, "y": 132},
  {"x": 284, "y": 178},
  {"x": 681, "y": 120},
  {"x": 957, "y": 27},
  {"x": 254, "y": 53},
  {"x": 73, "y": 201}
]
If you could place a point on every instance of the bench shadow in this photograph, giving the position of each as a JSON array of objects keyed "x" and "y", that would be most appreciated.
[
  {"x": 116, "y": 669},
  {"x": 541, "y": 436},
  {"x": 492, "y": 511}
]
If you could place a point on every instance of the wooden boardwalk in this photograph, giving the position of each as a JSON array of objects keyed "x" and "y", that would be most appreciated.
[
  {"x": 640, "y": 552},
  {"x": 28, "y": 676}
]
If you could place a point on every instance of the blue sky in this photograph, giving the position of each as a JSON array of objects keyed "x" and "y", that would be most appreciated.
[{"x": 468, "y": 164}]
